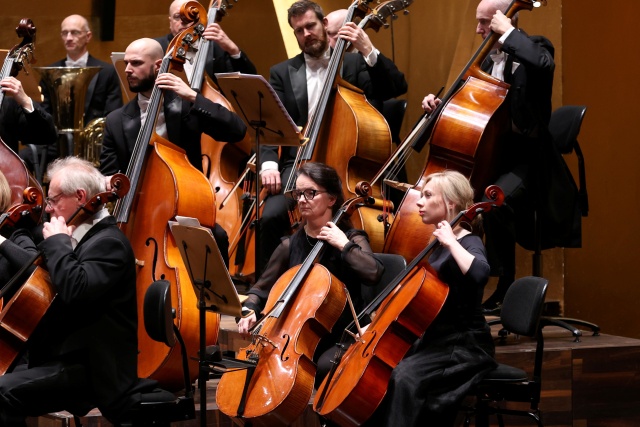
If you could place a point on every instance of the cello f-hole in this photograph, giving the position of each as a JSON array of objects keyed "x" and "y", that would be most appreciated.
[{"x": 155, "y": 258}]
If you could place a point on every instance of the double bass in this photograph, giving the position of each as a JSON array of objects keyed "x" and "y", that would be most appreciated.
[
  {"x": 33, "y": 297},
  {"x": 165, "y": 185},
  {"x": 348, "y": 133},
  {"x": 303, "y": 305},
  {"x": 467, "y": 133},
  {"x": 358, "y": 381}
]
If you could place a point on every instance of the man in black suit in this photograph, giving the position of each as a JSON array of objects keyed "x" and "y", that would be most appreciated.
[
  {"x": 22, "y": 119},
  {"x": 534, "y": 177},
  {"x": 226, "y": 55},
  {"x": 103, "y": 94},
  {"x": 83, "y": 353},
  {"x": 185, "y": 115},
  {"x": 297, "y": 82}
]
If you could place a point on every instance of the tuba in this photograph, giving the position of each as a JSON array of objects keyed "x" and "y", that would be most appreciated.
[{"x": 67, "y": 88}]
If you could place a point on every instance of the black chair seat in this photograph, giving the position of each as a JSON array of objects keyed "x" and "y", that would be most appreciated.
[{"x": 505, "y": 373}]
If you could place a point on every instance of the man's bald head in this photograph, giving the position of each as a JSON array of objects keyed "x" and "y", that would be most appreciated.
[
  {"x": 146, "y": 47},
  {"x": 142, "y": 58},
  {"x": 76, "y": 35},
  {"x": 335, "y": 20},
  {"x": 175, "y": 23}
]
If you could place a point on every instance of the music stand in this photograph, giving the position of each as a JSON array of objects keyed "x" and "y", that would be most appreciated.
[
  {"x": 211, "y": 283},
  {"x": 258, "y": 105}
]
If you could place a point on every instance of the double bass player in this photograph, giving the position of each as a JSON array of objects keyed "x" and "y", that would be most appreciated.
[
  {"x": 298, "y": 82},
  {"x": 533, "y": 175}
]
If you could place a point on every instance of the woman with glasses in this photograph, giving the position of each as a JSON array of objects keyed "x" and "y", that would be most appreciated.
[{"x": 348, "y": 254}]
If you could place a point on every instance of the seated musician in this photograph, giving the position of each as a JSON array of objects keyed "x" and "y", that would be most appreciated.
[
  {"x": 533, "y": 175},
  {"x": 299, "y": 92},
  {"x": 348, "y": 255},
  {"x": 15, "y": 249},
  {"x": 185, "y": 115},
  {"x": 226, "y": 56},
  {"x": 22, "y": 119},
  {"x": 455, "y": 352},
  {"x": 83, "y": 353}
]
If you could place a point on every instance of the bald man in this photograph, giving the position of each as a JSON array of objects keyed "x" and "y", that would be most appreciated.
[
  {"x": 225, "y": 57},
  {"x": 185, "y": 115},
  {"x": 104, "y": 93}
]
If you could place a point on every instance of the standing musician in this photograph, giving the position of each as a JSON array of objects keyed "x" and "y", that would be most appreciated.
[
  {"x": 455, "y": 352},
  {"x": 22, "y": 119},
  {"x": 103, "y": 94},
  {"x": 318, "y": 192},
  {"x": 185, "y": 116},
  {"x": 533, "y": 175},
  {"x": 298, "y": 82},
  {"x": 83, "y": 352},
  {"x": 226, "y": 55}
]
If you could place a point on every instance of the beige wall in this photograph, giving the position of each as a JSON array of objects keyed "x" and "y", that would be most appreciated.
[{"x": 597, "y": 282}]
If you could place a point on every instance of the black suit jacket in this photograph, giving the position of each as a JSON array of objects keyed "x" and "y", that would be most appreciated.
[
  {"x": 185, "y": 124},
  {"x": 530, "y": 106},
  {"x": 103, "y": 94},
  {"x": 289, "y": 79},
  {"x": 30, "y": 128},
  {"x": 219, "y": 61},
  {"x": 93, "y": 320}
]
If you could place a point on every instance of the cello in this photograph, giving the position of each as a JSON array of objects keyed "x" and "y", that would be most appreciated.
[
  {"x": 358, "y": 381},
  {"x": 165, "y": 185},
  {"x": 22, "y": 313},
  {"x": 467, "y": 133},
  {"x": 347, "y": 132},
  {"x": 303, "y": 305}
]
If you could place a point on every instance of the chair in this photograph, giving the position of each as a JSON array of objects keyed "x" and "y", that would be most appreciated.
[
  {"x": 159, "y": 407},
  {"x": 520, "y": 314},
  {"x": 393, "y": 264},
  {"x": 564, "y": 127}
]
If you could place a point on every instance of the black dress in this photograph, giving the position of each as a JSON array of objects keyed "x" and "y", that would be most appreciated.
[{"x": 427, "y": 386}]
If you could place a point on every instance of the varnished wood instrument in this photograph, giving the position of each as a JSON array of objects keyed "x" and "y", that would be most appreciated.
[
  {"x": 358, "y": 381},
  {"x": 165, "y": 185}
]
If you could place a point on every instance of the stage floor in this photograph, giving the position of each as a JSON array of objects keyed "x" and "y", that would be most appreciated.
[{"x": 591, "y": 383}]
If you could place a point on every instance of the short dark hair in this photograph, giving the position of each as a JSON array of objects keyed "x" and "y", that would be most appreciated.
[
  {"x": 326, "y": 177},
  {"x": 301, "y": 7}
]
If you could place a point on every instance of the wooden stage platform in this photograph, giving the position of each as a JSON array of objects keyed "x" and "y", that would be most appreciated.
[{"x": 592, "y": 383}]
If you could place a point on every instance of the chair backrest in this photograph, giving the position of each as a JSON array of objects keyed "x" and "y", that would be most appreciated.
[
  {"x": 158, "y": 313},
  {"x": 522, "y": 305},
  {"x": 393, "y": 111},
  {"x": 564, "y": 126},
  {"x": 393, "y": 264}
]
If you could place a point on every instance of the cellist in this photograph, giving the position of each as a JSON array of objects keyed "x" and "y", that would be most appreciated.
[
  {"x": 298, "y": 82},
  {"x": 185, "y": 116},
  {"x": 349, "y": 257},
  {"x": 84, "y": 351},
  {"x": 533, "y": 175},
  {"x": 457, "y": 349}
]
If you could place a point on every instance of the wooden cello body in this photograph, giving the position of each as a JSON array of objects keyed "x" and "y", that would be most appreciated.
[
  {"x": 165, "y": 185},
  {"x": 355, "y": 387},
  {"x": 303, "y": 305},
  {"x": 467, "y": 133}
]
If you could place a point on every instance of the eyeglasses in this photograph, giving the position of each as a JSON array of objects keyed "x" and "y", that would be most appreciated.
[
  {"x": 51, "y": 201},
  {"x": 308, "y": 194},
  {"x": 74, "y": 33}
]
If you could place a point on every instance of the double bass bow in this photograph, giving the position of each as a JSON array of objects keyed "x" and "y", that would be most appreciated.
[
  {"x": 303, "y": 305},
  {"x": 358, "y": 380},
  {"x": 466, "y": 132},
  {"x": 165, "y": 185},
  {"x": 33, "y": 297}
]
